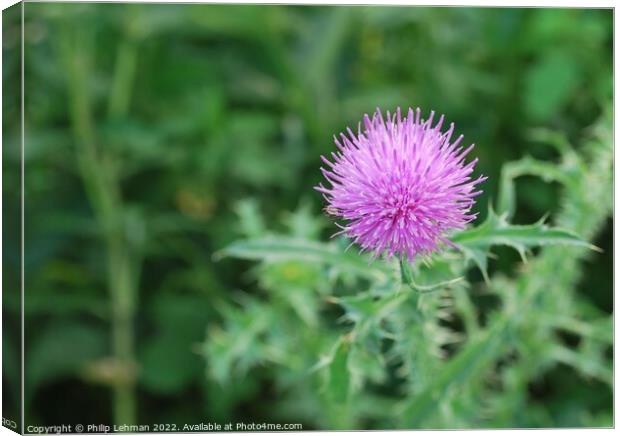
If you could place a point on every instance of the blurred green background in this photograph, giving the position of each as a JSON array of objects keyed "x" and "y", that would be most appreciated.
[{"x": 146, "y": 124}]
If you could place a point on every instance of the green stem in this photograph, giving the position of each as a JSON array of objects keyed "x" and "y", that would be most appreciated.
[
  {"x": 406, "y": 276},
  {"x": 103, "y": 190},
  {"x": 124, "y": 73},
  {"x": 120, "y": 275}
]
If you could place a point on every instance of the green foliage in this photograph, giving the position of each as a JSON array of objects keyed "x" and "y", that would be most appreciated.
[
  {"x": 496, "y": 230},
  {"x": 424, "y": 347},
  {"x": 277, "y": 248},
  {"x": 555, "y": 76},
  {"x": 50, "y": 350},
  {"x": 166, "y": 362}
]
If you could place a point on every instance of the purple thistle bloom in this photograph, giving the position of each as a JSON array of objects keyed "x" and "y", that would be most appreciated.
[{"x": 400, "y": 185}]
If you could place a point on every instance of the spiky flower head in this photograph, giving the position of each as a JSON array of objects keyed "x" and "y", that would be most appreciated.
[{"x": 400, "y": 185}]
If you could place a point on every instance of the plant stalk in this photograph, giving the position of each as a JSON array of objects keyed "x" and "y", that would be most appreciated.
[{"x": 103, "y": 190}]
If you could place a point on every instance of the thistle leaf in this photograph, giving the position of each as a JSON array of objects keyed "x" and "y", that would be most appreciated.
[
  {"x": 476, "y": 357},
  {"x": 367, "y": 311},
  {"x": 547, "y": 171},
  {"x": 336, "y": 382},
  {"x": 285, "y": 249},
  {"x": 496, "y": 230}
]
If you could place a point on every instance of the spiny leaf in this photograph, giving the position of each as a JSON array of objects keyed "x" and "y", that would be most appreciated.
[
  {"x": 366, "y": 363},
  {"x": 552, "y": 138},
  {"x": 586, "y": 362},
  {"x": 338, "y": 386},
  {"x": 547, "y": 171},
  {"x": 367, "y": 311},
  {"x": 235, "y": 349},
  {"x": 281, "y": 249},
  {"x": 338, "y": 381},
  {"x": 474, "y": 358},
  {"x": 251, "y": 221},
  {"x": 496, "y": 230}
]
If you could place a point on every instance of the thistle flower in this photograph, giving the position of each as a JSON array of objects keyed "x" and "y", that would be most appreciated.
[{"x": 400, "y": 186}]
